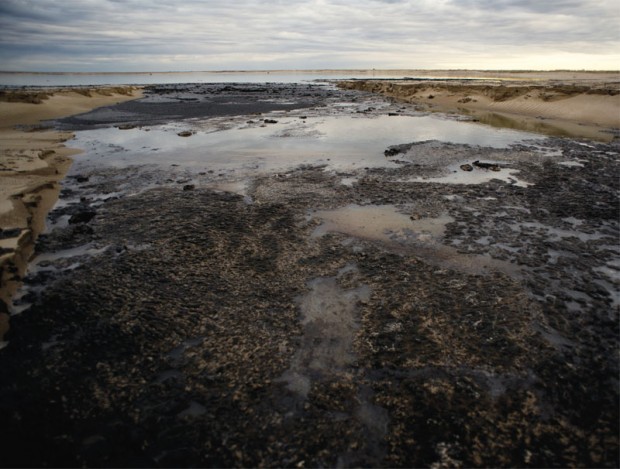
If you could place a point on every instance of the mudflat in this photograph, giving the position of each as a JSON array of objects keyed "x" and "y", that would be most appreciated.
[{"x": 311, "y": 276}]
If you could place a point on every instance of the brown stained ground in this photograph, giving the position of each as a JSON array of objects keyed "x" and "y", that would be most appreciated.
[{"x": 217, "y": 329}]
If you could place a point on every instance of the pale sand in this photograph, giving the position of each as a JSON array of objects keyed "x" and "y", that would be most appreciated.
[
  {"x": 32, "y": 163},
  {"x": 582, "y": 104}
]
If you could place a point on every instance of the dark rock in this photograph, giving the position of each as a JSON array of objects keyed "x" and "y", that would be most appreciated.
[
  {"x": 467, "y": 167},
  {"x": 482, "y": 165},
  {"x": 185, "y": 133},
  {"x": 270, "y": 121},
  {"x": 83, "y": 229},
  {"x": 188, "y": 187},
  {"x": 82, "y": 217},
  {"x": 10, "y": 233}
]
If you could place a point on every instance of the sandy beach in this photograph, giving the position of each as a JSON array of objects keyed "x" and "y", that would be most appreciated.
[
  {"x": 279, "y": 275},
  {"x": 579, "y": 104},
  {"x": 33, "y": 161}
]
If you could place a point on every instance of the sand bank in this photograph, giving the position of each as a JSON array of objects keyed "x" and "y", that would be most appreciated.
[
  {"x": 33, "y": 160},
  {"x": 575, "y": 104}
]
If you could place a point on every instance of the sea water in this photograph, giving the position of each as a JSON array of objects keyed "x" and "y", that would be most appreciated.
[{"x": 11, "y": 79}]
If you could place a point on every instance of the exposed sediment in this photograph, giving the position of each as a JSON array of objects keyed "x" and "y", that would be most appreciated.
[{"x": 474, "y": 325}]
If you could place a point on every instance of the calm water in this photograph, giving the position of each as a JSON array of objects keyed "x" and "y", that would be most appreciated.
[
  {"x": 341, "y": 143},
  {"x": 70, "y": 79}
]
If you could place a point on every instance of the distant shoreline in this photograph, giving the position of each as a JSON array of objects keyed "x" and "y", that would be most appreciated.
[
  {"x": 335, "y": 71},
  {"x": 22, "y": 79}
]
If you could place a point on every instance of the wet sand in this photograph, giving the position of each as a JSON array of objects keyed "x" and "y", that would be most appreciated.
[
  {"x": 33, "y": 161},
  {"x": 322, "y": 313}
]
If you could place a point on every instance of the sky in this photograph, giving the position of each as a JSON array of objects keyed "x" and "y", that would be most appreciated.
[{"x": 201, "y": 35}]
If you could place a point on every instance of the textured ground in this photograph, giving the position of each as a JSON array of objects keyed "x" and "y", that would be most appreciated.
[{"x": 194, "y": 327}]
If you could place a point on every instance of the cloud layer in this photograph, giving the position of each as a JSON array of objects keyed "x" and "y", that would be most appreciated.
[{"x": 158, "y": 35}]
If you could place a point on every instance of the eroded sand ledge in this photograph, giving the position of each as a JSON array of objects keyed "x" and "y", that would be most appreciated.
[
  {"x": 33, "y": 160},
  {"x": 578, "y": 104}
]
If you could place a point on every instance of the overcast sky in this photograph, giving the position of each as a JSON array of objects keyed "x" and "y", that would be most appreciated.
[{"x": 176, "y": 35}]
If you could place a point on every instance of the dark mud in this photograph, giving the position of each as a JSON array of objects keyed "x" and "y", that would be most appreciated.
[
  {"x": 165, "y": 103},
  {"x": 187, "y": 326}
]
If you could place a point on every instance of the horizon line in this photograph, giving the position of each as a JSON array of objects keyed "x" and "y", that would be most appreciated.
[{"x": 313, "y": 70}]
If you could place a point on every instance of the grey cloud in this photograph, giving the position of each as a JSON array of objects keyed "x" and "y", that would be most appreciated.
[{"x": 233, "y": 34}]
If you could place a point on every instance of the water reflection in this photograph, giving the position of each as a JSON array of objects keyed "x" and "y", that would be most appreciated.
[
  {"x": 551, "y": 127},
  {"x": 146, "y": 78},
  {"x": 341, "y": 142}
]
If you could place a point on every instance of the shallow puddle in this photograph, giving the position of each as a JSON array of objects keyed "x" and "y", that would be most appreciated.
[
  {"x": 423, "y": 236},
  {"x": 551, "y": 127},
  {"x": 380, "y": 222},
  {"x": 340, "y": 143},
  {"x": 329, "y": 321}
]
